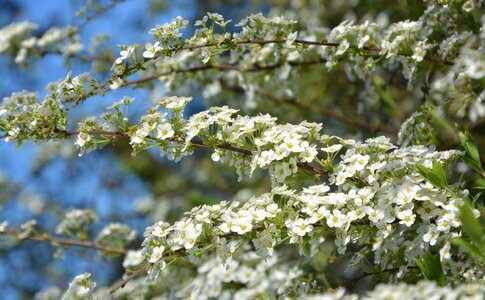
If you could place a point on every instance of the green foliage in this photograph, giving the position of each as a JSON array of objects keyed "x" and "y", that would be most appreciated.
[
  {"x": 472, "y": 156},
  {"x": 431, "y": 268},
  {"x": 473, "y": 241},
  {"x": 436, "y": 175}
]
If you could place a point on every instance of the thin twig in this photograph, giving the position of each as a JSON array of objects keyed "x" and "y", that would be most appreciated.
[
  {"x": 334, "y": 115},
  {"x": 66, "y": 242},
  {"x": 124, "y": 281},
  {"x": 357, "y": 279},
  {"x": 221, "y": 67},
  {"x": 312, "y": 167},
  {"x": 102, "y": 10},
  {"x": 103, "y": 87}
]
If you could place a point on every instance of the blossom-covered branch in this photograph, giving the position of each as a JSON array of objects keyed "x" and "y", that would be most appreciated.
[{"x": 55, "y": 241}]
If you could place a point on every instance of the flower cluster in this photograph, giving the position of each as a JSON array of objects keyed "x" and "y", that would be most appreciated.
[
  {"x": 116, "y": 235},
  {"x": 416, "y": 130},
  {"x": 375, "y": 185},
  {"x": 80, "y": 287},
  {"x": 14, "y": 33},
  {"x": 419, "y": 291},
  {"x": 257, "y": 277},
  {"x": 23, "y": 117},
  {"x": 16, "y": 40},
  {"x": 262, "y": 142},
  {"x": 382, "y": 204},
  {"x": 77, "y": 222}
]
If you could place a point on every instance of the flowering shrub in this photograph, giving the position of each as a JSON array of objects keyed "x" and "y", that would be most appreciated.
[{"x": 391, "y": 204}]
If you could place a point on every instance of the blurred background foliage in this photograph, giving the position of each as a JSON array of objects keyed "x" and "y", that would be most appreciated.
[{"x": 44, "y": 181}]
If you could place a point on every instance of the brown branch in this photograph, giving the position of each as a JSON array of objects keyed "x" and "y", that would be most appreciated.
[
  {"x": 66, "y": 242},
  {"x": 93, "y": 132},
  {"x": 81, "y": 57},
  {"x": 355, "y": 280},
  {"x": 334, "y": 115},
  {"x": 312, "y": 167},
  {"x": 103, "y": 88},
  {"x": 124, "y": 281},
  {"x": 308, "y": 43},
  {"x": 222, "y": 67},
  {"x": 99, "y": 11}
]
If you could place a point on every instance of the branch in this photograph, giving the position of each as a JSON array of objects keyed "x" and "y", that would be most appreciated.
[
  {"x": 103, "y": 87},
  {"x": 66, "y": 242},
  {"x": 357, "y": 279},
  {"x": 124, "y": 281},
  {"x": 99, "y": 11},
  {"x": 334, "y": 115},
  {"x": 81, "y": 57},
  {"x": 221, "y": 67},
  {"x": 310, "y": 43},
  {"x": 312, "y": 167}
]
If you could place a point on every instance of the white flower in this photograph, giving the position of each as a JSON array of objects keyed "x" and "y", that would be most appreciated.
[
  {"x": 475, "y": 67},
  {"x": 332, "y": 149},
  {"x": 216, "y": 156},
  {"x": 420, "y": 50},
  {"x": 431, "y": 236},
  {"x": 139, "y": 136},
  {"x": 309, "y": 154},
  {"x": 272, "y": 209},
  {"x": 291, "y": 38},
  {"x": 343, "y": 46},
  {"x": 12, "y": 134},
  {"x": 468, "y": 6},
  {"x": 375, "y": 215},
  {"x": 242, "y": 227},
  {"x": 259, "y": 214},
  {"x": 336, "y": 219},
  {"x": 359, "y": 161},
  {"x": 292, "y": 145},
  {"x": 133, "y": 258},
  {"x": 266, "y": 158},
  {"x": 164, "y": 131},
  {"x": 82, "y": 139},
  {"x": 407, "y": 217},
  {"x": 3, "y": 226},
  {"x": 117, "y": 83},
  {"x": 157, "y": 254},
  {"x": 151, "y": 50},
  {"x": 301, "y": 227},
  {"x": 80, "y": 287},
  {"x": 444, "y": 223},
  {"x": 280, "y": 153},
  {"x": 227, "y": 226},
  {"x": 175, "y": 102},
  {"x": 281, "y": 171},
  {"x": 125, "y": 53}
]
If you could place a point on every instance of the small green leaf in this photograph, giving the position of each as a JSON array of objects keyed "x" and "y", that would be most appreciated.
[
  {"x": 436, "y": 176},
  {"x": 469, "y": 248},
  {"x": 471, "y": 226},
  {"x": 307, "y": 248},
  {"x": 440, "y": 173},
  {"x": 472, "y": 156},
  {"x": 431, "y": 268}
]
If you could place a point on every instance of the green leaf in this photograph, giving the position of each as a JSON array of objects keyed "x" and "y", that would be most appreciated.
[
  {"x": 436, "y": 176},
  {"x": 471, "y": 226},
  {"x": 472, "y": 156},
  {"x": 469, "y": 248},
  {"x": 431, "y": 268}
]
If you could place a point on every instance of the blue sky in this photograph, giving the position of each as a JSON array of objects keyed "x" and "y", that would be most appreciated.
[{"x": 58, "y": 181}]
